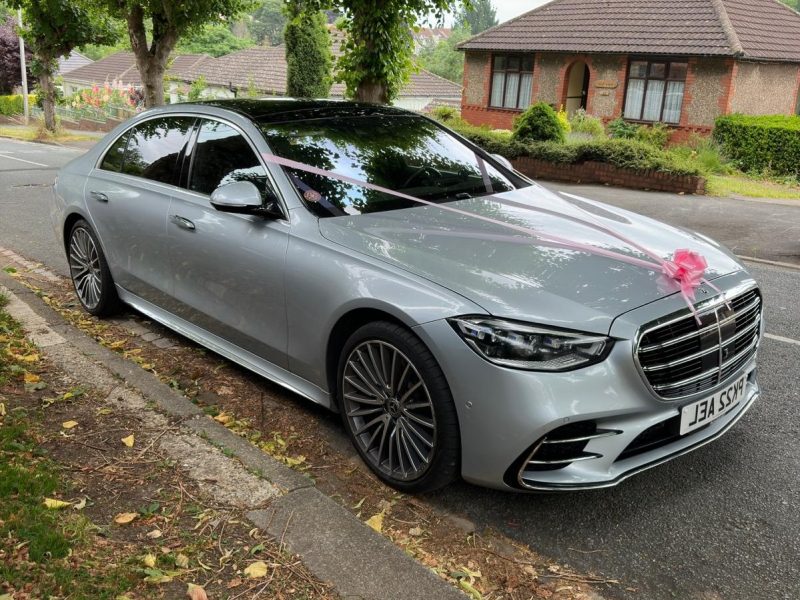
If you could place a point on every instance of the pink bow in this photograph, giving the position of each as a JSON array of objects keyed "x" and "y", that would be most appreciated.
[{"x": 688, "y": 268}]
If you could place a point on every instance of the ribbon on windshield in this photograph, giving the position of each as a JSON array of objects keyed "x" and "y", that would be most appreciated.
[{"x": 686, "y": 267}]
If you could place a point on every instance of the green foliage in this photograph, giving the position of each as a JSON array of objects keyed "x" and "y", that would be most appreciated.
[
  {"x": 196, "y": 89},
  {"x": 706, "y": 154},
  {"x": 445, "y": 114},
  {"x": 308, "y": 53},
  {"x": 215, "y": 39},
  {"x": 444, "y": 59},
  {"x": 584, "y": 123},
  {"x": 769, "y": 144},
  {"x": 478, "y": 17},
  {"x": 563, "y": 118},
  {"x": 13, "y": 105},
  {"x": 268, "y": 22},
  {"x": 376, "y": 59},
  {"x": 795, "y": 4},
  {"x": 619, "y": 128},
  {"x": 539, "y": 123},
  {"x": 656, "y": 134}
]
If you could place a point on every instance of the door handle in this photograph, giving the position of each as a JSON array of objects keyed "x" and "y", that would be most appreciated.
[
  {"x": 99, "y": 196},
  {"x": 182, "y": 222}
]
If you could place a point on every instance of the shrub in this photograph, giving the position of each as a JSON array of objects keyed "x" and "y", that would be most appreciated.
[
  {"x": 563, "y": 118},
  {"x": 13, "y": 105},
  {"x": 706, "y": 154},
  {"x": 539, "y": 123},
  {"x": 761, "y": 144},
  {"x": 445, "y": 114},
  {"x": 619, "y": 128},
  {"x": 583, "y": 122},
  {"x": 656, "y": 135}
]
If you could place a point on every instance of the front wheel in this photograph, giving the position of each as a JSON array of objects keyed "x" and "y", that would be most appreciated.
[
  {"x": 397, "y": 407},
  {"x": 89, "y": 271}
]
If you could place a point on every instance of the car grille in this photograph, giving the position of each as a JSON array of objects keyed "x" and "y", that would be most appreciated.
[{"x": 682, "y": 358}]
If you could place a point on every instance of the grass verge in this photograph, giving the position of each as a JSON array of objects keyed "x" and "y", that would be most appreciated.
[
  {"x": 30, "y": 133},
  {"x": 738, "y": 185}
]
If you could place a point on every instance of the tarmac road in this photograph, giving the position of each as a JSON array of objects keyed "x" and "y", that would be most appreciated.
[{"x": 720, "y": 523}]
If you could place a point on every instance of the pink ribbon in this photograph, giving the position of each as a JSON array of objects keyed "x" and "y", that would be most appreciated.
[{"x": 686, "y": 267}]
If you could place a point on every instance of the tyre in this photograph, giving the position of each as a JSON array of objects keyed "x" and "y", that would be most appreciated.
[
  {"x": 397, "y": 408},
  {"x": 89, "y": 271}
]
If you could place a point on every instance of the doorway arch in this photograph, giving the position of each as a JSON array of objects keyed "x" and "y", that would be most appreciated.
[{"x": 577, "y": 84}]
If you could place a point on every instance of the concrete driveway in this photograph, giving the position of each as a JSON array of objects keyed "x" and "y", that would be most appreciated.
[{"x": 720, "y": 523}]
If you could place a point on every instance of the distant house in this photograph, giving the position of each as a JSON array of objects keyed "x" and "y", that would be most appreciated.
[
  {"x": 683, "y": 63},
  {"x": 120, "y": 67},
  {"x": 262, "y": 70},
  {"x": 428, "y": 37},
  {"x": 73, "y": 61}
]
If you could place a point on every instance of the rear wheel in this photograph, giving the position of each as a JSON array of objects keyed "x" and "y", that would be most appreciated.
[
  {"x": 89, "y": 271},
  {"x": 397, "y": 407}
]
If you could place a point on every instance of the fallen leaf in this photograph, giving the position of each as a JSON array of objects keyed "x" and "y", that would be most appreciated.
[
  {"x": 128, "y": 441},
  {"x": 69, "y": 424},
  {"x": 32, "y": 378},
  {"x": 182, "y": 561},
  {"x": 2, "y": 409},
  {"x": 35, "y": 387},
  {"x": 195, "y": 592},
  {"x": 415, "y": 531},
  {"x": 223, "y": 418},
  {"x": 156, "y": 576},
  {"x": 149, "y": 560},
  {"x": 376, "y": 522},
  {"x": 125, "y": 518},
  {"x": 55, "y": 504},
  {"x": 30, "y": 358},
  {"x": 256, "y": 570},
  {"x": 155, "y": 534},
  {"x": 234, "y": 583},
  {"x": 359, "y": 503},
  {"x": 104, "y": 411},
  {"x": 80, "y": 505}
]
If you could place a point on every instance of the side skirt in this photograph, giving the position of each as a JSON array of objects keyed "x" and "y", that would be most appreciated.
[{"x": 250, "y": 361}]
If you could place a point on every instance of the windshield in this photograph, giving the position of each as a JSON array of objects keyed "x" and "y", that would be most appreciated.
[{"x": 407, "y": 154}]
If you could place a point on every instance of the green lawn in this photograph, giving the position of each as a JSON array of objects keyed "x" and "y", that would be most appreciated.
[
  {"x": 739, "y": 185},
  {"x": 31, "y": 133}
]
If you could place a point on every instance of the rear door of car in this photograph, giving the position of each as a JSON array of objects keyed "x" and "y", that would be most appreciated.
[
  {"x": 128, "y": 197},
  {"x": 228, "y": 268}
]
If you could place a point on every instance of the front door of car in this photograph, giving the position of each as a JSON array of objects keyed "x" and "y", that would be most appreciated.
[
  {"x": 128, "y": 198},
  {"x": 228, "y": 268}
]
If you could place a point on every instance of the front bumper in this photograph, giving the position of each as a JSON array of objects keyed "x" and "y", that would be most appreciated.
[{"x": 505, "y": 414}]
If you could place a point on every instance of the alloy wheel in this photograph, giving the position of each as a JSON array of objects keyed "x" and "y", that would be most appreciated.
[
  {"x": 84, "y": 266},
  {"x": 389, "y": 410}
]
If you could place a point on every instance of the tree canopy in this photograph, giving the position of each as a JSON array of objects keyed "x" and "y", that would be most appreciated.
[
  {"x": 444, "y": 58},
  {"x": 480, "y": 17},
  {"x": 215, "y": 39},
  {"x": 10, "y": 73},
  {"x": 267, "y": 23},
  {"x": 308, "y": 52}
]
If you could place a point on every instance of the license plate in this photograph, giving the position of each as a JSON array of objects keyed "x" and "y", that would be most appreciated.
[{"x": 701, "y": 413}]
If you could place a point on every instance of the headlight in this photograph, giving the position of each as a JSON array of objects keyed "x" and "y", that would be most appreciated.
[{"x": 531, "y": 347}]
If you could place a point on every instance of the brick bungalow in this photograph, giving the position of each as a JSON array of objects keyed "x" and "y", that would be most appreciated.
[{"x": 680, "y": 62}]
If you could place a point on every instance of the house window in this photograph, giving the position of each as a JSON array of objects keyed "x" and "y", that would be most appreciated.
[
  {"x": 655, "y": 91},
  {"x": 512, "y": 81}
]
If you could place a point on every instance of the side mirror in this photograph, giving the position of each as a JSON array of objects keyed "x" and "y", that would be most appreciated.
[
  {"x": 503, "y": 161},
  {"x": 243, "y": 198}
]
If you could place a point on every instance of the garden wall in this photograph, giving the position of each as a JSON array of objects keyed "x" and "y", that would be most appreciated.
[{"x": 597, "y": 172}]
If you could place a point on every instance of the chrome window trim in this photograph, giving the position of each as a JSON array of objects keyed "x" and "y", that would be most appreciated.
[{"x": 703, "y": 308}]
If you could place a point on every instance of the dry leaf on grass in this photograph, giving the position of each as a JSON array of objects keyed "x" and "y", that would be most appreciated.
[
  {"x": 125, "y": 518},
  {"x": 149, "y": 560},
  {"x": 2, "y": 412},
  {"x": 69, "y": 424},
  {"x": 223, "y": 418},
  {"x": 128, "y": 441},
  {"x": 80, "y": 505},
  {"x": 32, "y": 378},
  {"x": 155, "y": 534},
  {"x": 55, "y": 504},
  {"x": 256, "y": 570},
  {"x": 182, "y": 561}
]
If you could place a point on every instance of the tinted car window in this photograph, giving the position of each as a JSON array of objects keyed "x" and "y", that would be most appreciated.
[
  {"x": 112, "y": 161},
  {"x": 154, "y": 148},
  {"x": 221, "y": 156},
  {"x": 406, "y": 154}
]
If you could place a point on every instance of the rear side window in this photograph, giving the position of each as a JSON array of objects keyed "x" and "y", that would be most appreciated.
[
  {"x": 154, "y": 148},
  {"x": 222, "y": 155},
  {"x": 112, "y": 161}
]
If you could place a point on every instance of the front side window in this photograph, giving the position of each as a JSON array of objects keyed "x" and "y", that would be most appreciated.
[
  {"x": 512, "y": 81},
  {"x": 655, "y": 91},
  {"x": 407, "y": 154},
  {"x": 154, "y": 148},
  {"x": 222, "y": 155},
  {"x": 113, "y": 159}
]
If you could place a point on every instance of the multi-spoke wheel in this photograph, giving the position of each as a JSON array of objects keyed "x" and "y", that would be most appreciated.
[
  {"x": 397, "y": 407},
  {"x": 89, "y": 271}
]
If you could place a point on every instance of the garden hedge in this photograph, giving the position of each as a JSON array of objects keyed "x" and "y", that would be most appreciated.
[
  {"x": 625, "y": 154},
  {"x": 761, "y": 144},
  {"x": 12, "y": 105}
]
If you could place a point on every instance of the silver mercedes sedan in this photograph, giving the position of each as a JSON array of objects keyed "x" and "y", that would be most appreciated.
[{"x": 376, "y": 263}]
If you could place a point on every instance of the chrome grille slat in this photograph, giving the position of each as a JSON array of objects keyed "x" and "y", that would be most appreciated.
[{"x": 708, "y": 354}]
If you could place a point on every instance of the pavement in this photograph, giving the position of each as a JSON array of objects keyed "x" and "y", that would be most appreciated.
[{"x": 720, "y": 523}]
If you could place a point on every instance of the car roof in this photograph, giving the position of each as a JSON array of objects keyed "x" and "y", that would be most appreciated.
[{"x": 283, "y": 110}]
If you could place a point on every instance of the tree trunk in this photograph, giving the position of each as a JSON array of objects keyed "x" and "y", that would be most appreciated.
[
  {"x": 48, "y": 98},
  {"x": 373, "y": 92},
  {"x": 152, "y": 61}
]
